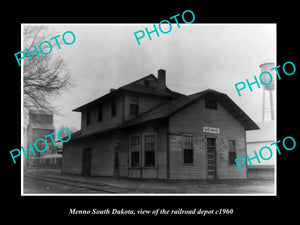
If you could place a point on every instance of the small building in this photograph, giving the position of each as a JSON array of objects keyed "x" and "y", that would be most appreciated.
[
  {"x": 40, "y": 124},
  {"x": 256, "y": 139},
  {"x": 145, "y": 130}
]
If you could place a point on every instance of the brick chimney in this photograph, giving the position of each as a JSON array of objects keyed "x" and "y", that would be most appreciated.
[{"x": 161, "y": 78}]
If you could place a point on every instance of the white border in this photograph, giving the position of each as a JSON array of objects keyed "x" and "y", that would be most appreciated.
[
  {"x": 22, "y": 116},
  {"x": 150, "y": 194}
]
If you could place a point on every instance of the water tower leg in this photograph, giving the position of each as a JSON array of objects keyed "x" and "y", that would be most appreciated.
[
  {"x": 263, "y": 106},
  {"x": 272, "y": 107}
]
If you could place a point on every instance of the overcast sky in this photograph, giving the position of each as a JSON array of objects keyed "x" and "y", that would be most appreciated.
[{"x": 196, "y": 57}]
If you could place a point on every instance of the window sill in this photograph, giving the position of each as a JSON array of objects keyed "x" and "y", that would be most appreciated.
[{"x": 188, "y": 164}]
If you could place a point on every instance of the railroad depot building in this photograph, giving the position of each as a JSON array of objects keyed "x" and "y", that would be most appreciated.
[{"x": 145, "y": 130}]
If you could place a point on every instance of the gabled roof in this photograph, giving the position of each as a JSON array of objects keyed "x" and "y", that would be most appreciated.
[
  {"x": 135, "y": 86},
  {"x": 167, "y": 109}
]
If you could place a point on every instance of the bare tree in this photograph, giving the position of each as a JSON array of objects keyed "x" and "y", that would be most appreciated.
[{"x": 45, "y": 76}]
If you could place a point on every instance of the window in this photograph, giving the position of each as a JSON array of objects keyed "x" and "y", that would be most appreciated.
[
  {"x": 147, "y": 83},
  {"x": 149, "y": 150},
  {"x": 113, "y": 108},
  {"x": 135, "y": 151},
  {"x": 88, "y": 117},
  {"x": 134, "y": 109},
  {"x": 210, "y": 103},
  {"x": 100, "y": 112},
  {"x": 187, "y": 149},
  {"x": 232, "y": 151}
]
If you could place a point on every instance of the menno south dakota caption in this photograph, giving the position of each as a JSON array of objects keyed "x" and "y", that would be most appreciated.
[{"x": 101, "y": 211}]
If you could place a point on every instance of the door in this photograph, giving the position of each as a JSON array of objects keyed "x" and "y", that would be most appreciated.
[
  {"x": 116, "y": 163},
  {"x": 86, "y": 161},
  {"x": 211, "y": 158},
  {"x": 117, "y": 160}
]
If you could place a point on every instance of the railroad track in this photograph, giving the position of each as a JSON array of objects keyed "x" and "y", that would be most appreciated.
[{"x": 102, "y": 188}]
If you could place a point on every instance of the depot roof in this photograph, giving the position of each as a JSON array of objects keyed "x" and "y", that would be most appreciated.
[
  {"x": 169, "y": 108},
  {"x": 134, "y": 87}
]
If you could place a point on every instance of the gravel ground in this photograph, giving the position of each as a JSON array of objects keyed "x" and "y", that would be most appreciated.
[
  {"x": 52, "y": 181},
  {"x": 34, "y": 186}
]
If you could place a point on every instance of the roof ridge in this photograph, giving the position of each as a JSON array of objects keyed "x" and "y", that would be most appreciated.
[{"x": 138, "y": 80}]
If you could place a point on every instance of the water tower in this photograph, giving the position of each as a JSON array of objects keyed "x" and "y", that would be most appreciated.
[{"x": 266, "y": 79}]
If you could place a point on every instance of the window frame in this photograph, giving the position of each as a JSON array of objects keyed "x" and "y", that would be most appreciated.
[
  {"x": 147, "y": 83},
  {"x": 114, "y": 108},
  {"x": 154, "y": 150},
  {"x": 190, "y": 149},
  {"x": 142, "y": 150},
  {"x": 230, "y": 151},
  {"x": 139, "y": 151},
  {"x": 88, "y": 116},
  {"x": 130, "y": 109},
  {"x": 208, "y": 103}
]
